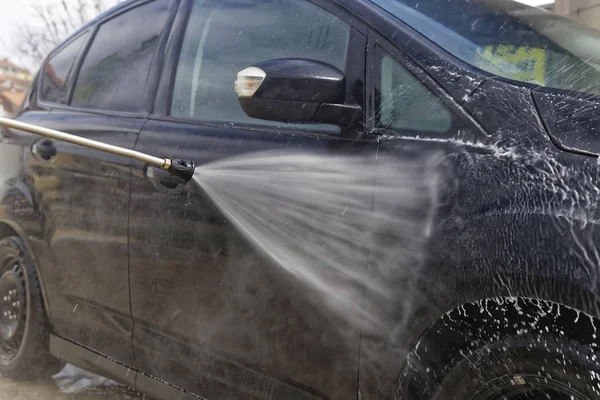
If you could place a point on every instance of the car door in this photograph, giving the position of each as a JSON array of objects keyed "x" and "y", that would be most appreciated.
[
  {"x": 211, "y": 315},
  {"x": 83, "y": 194},
  {"x": 420, "y": 125}
]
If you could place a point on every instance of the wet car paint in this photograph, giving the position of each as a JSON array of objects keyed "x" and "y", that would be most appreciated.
[
  {"x": 209, "y": 287},
  {"x": 86, "y": 232},
  {"x": 190, "y": 328},
  {"x": 509, "y": 205}
]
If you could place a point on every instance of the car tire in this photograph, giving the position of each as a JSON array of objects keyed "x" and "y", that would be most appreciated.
[
  {"x": 525, "y": 367},
  {"x": 24, "y": 326}
]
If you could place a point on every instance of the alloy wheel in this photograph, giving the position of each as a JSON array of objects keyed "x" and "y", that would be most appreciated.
[{"x": 13, "y": 310}]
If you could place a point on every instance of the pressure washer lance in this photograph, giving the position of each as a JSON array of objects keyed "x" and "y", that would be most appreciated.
[{"x": 181, "y": 168}]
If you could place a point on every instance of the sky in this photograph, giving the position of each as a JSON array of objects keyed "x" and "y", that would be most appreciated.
[
  {"x": 20, "y": 10},
  {"x": 14, "y": 13}
]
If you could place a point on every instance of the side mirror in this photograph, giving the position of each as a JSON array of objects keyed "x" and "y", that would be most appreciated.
[{"x": 295, "y": 90}]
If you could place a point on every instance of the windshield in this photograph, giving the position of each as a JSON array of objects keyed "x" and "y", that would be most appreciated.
[{"x": 509, "y": 39}]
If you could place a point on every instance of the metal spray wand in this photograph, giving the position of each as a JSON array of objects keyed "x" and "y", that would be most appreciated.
[{"x": 181, "y": 168}]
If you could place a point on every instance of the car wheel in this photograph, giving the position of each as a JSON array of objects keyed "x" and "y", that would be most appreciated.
[
  {"x": 525, "y": 367},
  {"x": 24, "y": 327}
]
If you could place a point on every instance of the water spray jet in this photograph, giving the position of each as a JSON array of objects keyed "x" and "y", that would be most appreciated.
[{"x": 178, "y": 167}]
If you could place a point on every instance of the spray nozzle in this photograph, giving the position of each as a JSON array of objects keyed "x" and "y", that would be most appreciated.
[{"x": 180, "y": 168}]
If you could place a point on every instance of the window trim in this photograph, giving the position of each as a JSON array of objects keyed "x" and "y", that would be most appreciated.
[
  {"x": 73, "y": 72},
  {"x": 164, "y": 93},
  {"x": 32, "y": 93},
  {"x": 159, "y": 57},
  {"x": 79, "y": 62},
  {"x": 456, "y": 109}
]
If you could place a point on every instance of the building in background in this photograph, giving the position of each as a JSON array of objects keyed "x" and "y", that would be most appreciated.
[
  {"x": 13, "y": 77},
  {"x": 586, "y": 12},
  {"x": 10, "y": 102},
  {"x": 14, "y": 82},
  {"x": 9, "y": 69}
]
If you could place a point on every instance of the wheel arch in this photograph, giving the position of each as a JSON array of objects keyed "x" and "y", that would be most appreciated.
[
  {"x": 10, "y": 228},
  {"x": 527, "y": 261},
  {"x": 472, "y": 325},
  {"x": 20, "y": 216}
]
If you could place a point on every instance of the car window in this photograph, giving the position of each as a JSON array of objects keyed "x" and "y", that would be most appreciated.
[
  {"x": 224, "y": 37},
  {"x": 509, "y": 39},
  {"x": 115, "y": 70},
  {"x": 58, "y": 70},
  {"x": 404, "y": 103}
]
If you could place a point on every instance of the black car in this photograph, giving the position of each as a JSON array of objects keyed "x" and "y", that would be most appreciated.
[{"x": 124, "y": 270}]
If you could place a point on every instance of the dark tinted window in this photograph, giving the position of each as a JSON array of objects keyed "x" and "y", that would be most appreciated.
[
  {"x": 224, "y": 37},
  {"x": 58, "y": 71},
  {"x": 404, "y": 103},
  {"x": 115, "y": 70}
]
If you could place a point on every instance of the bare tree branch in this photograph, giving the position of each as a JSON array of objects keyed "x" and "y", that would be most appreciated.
[
  {"x": 51, "y": 24},
  {"x": 98, "y": 5},
  {"x": 81, "y": 11},
  {"x": 69, "y": 20}
]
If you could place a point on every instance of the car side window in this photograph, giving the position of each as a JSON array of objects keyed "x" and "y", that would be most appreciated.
[
  {"x": 405, "y": 103},
  {"x": 58, "y": 70},
  {"x": 114, "y": 73},
  {"x": 225, "y": 37}
]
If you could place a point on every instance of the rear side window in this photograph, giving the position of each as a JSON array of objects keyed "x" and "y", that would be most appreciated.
[
  {"x": 57, "y": 72},
  {"x": 115, "y": 70}
]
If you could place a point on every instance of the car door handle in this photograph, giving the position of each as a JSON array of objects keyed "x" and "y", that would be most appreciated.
[
  {"x": 164, "y": 180},
  {"x": 44, "y": 149}
]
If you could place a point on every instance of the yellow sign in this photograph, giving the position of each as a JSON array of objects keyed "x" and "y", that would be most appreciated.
[{"x": 525, "y": 64}]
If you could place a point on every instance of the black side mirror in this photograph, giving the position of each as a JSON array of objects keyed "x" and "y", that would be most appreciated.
[{"x": 295, "y": 90}]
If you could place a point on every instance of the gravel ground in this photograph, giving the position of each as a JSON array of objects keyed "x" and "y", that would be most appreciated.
[{"x": 70, "y": 384}]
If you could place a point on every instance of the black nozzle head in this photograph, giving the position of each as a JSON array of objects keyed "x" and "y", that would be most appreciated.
[{"x": 183, "y": 169}]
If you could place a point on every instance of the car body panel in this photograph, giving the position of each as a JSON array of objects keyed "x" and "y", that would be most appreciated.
[
  {"x": 571, "y": 121},
  {"x": 514, "y": 226},
  {"x": 18, "y": 211},
  {"x": 203, "y": 299},
  {"x": 83, "y": 196},
  {"x": 151, "y": 277}
]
